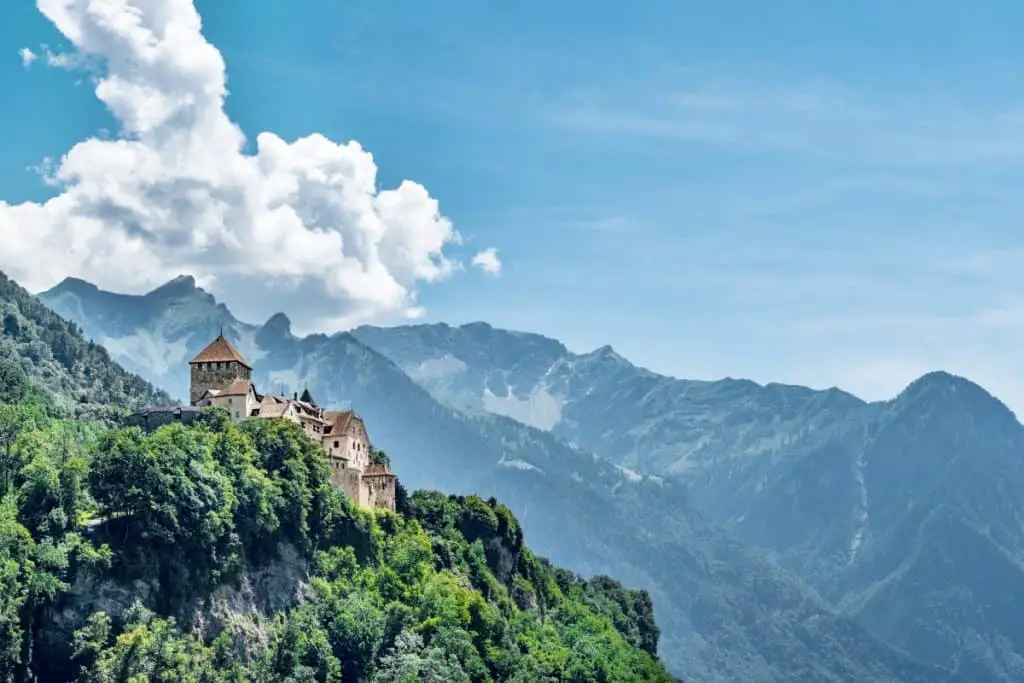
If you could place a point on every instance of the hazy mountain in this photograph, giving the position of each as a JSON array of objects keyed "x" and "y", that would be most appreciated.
[
  {"x": 725, "y": 613},
  {"x": 907, "y": 514}
]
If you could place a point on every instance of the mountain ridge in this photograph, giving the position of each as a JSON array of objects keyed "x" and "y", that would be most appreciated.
[{"x": 823, "y": 481}]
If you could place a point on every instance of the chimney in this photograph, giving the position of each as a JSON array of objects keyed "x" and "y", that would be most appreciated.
[{"x": 295, "y": 396}]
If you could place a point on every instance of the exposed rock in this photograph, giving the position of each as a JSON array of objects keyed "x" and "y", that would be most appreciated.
[{"x": 243, "y": 609}]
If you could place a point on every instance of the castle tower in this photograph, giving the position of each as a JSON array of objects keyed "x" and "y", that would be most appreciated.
[{"x": 216, "y": 366}]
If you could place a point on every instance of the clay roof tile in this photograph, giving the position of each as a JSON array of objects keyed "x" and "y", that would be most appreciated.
[{"x": 220, "y": 350}]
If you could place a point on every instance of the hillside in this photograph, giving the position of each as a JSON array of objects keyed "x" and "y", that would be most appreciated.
[
  {"x": 41, "y": 350},
  {"x": 725, "y": 613},
  {"x": 245, "y": 564},
  {"x": 902, "y": 513}
]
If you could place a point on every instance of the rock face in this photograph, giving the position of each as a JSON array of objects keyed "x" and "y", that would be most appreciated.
[
  {"x": 243, "y": 609},
  {"x": 725, "y": 613}
]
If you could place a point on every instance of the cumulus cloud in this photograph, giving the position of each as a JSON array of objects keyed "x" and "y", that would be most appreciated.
[
  {"x": 488, "y": 261},
  {"x": 27, "y": 57},
  {"x": 300, "y": 221}
]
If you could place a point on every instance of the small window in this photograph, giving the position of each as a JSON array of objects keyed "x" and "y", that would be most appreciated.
[{"x": 336, "y": 444}]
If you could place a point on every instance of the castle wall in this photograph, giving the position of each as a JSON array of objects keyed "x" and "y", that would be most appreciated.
[
  {"x": 312, "y": 428},
  {"x": 353, "y": 445},
  {"x": 153, "y": 418},
  {"x": 206, "y": 376},
  {"x": 378, "y": 491},
  {"x": 348, "y": 480},
  {"x": 240, "y": 407}
]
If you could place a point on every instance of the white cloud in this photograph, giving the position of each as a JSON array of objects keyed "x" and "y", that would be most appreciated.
[
  {"x": 299, "y": 221},
  {"x": 488, "y": 261},
  {"x": 27, "y": 57}
]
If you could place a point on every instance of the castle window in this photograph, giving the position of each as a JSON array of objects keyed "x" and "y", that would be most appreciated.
[{"x": 336, "y": 444}]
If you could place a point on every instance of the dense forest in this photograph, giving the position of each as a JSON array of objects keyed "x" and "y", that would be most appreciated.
[{"x": 220, "y": 552}]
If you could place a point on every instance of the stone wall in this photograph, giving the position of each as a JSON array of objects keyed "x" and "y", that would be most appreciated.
[
  {"x": 152, "y": 418},
  {"x": 348, "y": 480},
  {"x": 206, "y": 376},
  {"x": 379, "y": 491}
]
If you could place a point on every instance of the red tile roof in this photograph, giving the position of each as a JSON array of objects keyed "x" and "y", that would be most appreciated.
[{"x": 220, "y": 350}]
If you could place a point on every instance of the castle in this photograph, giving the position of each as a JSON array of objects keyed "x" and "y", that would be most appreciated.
[{"x": 221, "y": 377}]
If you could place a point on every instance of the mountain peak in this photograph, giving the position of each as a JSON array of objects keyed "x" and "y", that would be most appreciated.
[
  {"x": 275, "y": 332},
  {"x": 73, "y": 285},
  {"x": 944, "y": 387},
  {"x": 605, "y": 352},
  {"x": 279, "y": 323},
  {"x": 941, "y": 381},
  {"x": 182, "y": 285}
]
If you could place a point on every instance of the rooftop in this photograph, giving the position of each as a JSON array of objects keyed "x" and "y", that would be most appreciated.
[
  {"x": 375, "y": 470},
  {"x": 337, "y": 420},
  {"x": 236, "y": 387},
  {"x": 218, "y": 351}
]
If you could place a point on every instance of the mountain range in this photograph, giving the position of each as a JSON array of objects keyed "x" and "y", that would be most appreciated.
[
  {"x": 905, "y": 514},
  {"x": 783, "y": 533}
]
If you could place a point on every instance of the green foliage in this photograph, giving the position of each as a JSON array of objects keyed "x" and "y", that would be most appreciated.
[
  {"x": 45, "y": 360},
  {"x": 379, "y": 457},
  {"x": 445, "y": 591}
]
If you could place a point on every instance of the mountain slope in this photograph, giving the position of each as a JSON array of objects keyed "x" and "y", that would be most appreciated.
[
  {"x": 838, "y": 490},
  {"x": 72, "y": 373},
  {"x": 725, "y": 613},
  {"x": 222, "y": 553}
]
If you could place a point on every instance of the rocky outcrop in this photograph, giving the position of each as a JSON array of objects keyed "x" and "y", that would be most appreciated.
[{"x": 243, "y": 608}]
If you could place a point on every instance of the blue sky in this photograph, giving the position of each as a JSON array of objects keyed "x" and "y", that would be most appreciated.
[{"x": 805, "y": 192}]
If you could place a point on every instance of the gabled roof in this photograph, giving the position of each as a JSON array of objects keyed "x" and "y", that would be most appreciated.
[
  {"x": 337, "y": 421},
  {"x": 308, "y": 412},
  {"x": 220, "y": 350},
  {"x": 273, "y": 406}
]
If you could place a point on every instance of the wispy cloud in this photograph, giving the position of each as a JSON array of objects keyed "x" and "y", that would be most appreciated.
[{"x": 819, "y": 119}]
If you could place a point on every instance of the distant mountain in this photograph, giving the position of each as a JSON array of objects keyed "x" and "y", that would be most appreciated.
[
  {"x": 726, "y": 614},
  {"x": 906, "y": 514},
  {"x": 42, "y": 352}
]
